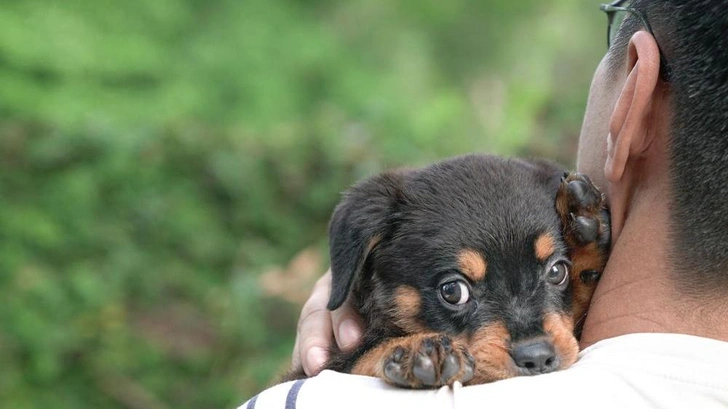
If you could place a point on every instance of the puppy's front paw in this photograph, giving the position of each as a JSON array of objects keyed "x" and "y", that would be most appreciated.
[
  {"x": 586, "y": 230},
  {"x": 428, "y": 362},
  {"x": 581, "y": 207}
]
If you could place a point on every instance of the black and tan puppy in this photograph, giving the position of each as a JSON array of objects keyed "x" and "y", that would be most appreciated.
[{"x": 474, "y": 269}]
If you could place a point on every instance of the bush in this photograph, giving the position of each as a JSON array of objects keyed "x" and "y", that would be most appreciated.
[{"x": 157, "y": 158}]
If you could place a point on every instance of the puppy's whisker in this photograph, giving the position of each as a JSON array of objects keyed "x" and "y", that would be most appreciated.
[{"x": 580, "y": 320}]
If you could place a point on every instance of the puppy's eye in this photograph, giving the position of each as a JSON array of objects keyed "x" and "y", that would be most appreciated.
[
  {"x": 558, "y": 273},
  {"x": 455, "y": 292}
]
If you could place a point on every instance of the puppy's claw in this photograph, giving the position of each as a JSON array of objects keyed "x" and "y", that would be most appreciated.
[
  {"x": 398, "y": 354},
  {"x": 450, "y": 367},
  {"x": 428, "y": 346},
  {"x": 583, "y": 193},
  {"x": 424, "y": 370},
  {"x": 586, "y": 229},
  {"x": 468, "y": 369},
  {"x": 393, "y": 372}
]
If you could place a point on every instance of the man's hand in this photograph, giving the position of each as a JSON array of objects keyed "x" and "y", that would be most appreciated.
[{"x": 316, "y": 324}]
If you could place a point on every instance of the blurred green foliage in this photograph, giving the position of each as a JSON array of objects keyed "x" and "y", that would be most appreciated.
[{"x": 157, "y": 156}]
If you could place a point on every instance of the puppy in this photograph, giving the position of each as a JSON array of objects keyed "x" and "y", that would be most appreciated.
[{"x": 474, "y": 269}]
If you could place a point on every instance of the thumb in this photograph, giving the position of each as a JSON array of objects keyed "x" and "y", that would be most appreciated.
[
  {"x": 347, "y": 325},
  {"x": 313, "y": 338}
]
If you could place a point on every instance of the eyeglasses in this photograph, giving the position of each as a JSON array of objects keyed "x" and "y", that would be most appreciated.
[{"x": 616, "y": 13}]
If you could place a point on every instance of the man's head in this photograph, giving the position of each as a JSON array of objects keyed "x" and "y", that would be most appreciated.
[{"x": 636, "y": 114}]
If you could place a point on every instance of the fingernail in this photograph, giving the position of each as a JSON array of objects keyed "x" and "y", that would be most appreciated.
[
  {"x": 349, "y": 333},
  {"x": 316, "y": 357}
]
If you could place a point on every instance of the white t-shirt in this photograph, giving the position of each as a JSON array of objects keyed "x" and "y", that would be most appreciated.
[{"x": 630, "y": 371}]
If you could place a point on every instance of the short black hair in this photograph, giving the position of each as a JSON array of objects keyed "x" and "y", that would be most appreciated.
[{"x": 692, "y": 35}]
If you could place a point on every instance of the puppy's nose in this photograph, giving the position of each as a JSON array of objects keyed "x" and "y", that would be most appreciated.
[{"x": 535, "y": 356}]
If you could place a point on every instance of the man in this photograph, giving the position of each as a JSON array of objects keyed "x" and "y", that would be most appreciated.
[{"x": 655, "y": 139}]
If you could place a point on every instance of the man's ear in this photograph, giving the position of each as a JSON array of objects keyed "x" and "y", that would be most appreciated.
[
  {"x": 361, "y": 219},
  {"x": 629, "y": 126}
]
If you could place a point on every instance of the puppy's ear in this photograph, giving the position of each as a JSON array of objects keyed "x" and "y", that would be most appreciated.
[
  {"x": 361, "y": 219},
  {"x": 549, "y": 173}
]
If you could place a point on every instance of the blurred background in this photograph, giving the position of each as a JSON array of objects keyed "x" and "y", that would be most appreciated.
[{"x": 168, "y": 167}]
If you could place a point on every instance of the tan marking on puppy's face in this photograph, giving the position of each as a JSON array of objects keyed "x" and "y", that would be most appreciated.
[
  {"x": 489, "y": 348},
  {"x": 545, "y": 246},
  {"x": 407, "y": 302},
  {"x": 472, "y": 264},
  {"x": 561, "y": 330}
]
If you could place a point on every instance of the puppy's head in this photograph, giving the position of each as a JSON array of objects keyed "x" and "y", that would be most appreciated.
[{"x": 471, "y": 247}]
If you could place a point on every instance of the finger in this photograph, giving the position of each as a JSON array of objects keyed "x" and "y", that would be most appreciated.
[
  {"x": 314, "y": 329},
  {"x": 347, "y": 326}
]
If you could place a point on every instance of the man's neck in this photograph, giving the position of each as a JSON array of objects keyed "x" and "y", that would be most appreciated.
[{"x": 635, "y": 293}]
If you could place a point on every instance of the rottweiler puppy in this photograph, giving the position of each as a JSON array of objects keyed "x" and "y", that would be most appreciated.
[{"x": 474, "y": 269}]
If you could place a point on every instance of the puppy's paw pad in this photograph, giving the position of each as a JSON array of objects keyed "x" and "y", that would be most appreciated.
[{"x": 428, "y": 362}]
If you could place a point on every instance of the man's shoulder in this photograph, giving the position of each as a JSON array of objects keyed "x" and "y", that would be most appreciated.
[
  {"x": 334, "y": 390},
  {"x": 638, "y": 370}
]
